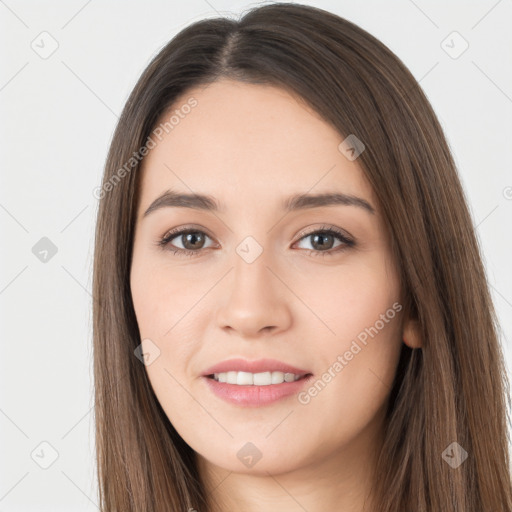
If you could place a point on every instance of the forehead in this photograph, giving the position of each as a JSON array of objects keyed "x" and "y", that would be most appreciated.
[{"x": 246, "y": 142}]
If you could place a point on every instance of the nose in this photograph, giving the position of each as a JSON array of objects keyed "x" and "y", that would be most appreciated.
[{"x": 253, "y": 300}]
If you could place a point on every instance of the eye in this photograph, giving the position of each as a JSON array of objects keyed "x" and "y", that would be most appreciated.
[
  {"x": 193, "y": 241},
  {"x": 324, "y": 238}
]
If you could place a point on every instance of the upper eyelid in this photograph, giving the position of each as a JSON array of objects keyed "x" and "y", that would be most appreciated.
[
  {"x": 325, "y": 227},
  {"x": 173, "y": 233}
]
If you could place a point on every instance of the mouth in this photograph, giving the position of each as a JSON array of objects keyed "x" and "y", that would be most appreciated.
[{"x": 255, "y": 383}]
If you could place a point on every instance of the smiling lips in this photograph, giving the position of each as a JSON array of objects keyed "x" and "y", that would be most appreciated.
[{"x": 254, "y": 383}]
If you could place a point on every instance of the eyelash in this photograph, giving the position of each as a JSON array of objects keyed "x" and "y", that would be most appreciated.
[{"x": 328, "y": 230}]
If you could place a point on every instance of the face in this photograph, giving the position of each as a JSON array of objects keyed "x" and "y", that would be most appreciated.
[{"x": 254, "y": 280}]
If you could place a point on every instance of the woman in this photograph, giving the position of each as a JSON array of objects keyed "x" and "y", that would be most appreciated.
[{"x": 234, "y": 368}]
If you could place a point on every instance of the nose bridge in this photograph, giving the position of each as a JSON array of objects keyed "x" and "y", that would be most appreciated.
[
  {"x": 252, "y": 300},
  {"x": 250, "y": 273}
]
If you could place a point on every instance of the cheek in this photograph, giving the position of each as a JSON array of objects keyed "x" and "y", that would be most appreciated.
[
  {"x": 160, "y": 307},
  {"x": 167, "y": 308},
  {"x": 160, "y": 295},
  {"x": 355, "y": 385},
  {"x": 358, "y": 359},
  {"x": 350, "y": 298}
]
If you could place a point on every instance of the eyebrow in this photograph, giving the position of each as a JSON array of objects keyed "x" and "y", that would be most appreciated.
[{"x": 173, "y": 199}]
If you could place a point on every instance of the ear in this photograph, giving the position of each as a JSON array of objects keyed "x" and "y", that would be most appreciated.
[{"x": 410, "y": 333}]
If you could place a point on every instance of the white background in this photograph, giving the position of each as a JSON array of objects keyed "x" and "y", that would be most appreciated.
[{"x": 57, "y": 118}]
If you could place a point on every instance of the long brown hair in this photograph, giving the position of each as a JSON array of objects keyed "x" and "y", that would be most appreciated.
[{"x": 453, "y": 389}]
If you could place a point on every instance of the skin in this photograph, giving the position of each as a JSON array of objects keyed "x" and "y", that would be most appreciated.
[{"x": 250, "y": 146}]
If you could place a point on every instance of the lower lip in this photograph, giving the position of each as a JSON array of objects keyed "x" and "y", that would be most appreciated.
[{"x": 255, "y": 396}]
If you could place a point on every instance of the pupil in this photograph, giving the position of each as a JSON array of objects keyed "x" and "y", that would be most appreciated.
[
  {"x": 192, "y": 237},
  {"x": 320, "y": 245}
]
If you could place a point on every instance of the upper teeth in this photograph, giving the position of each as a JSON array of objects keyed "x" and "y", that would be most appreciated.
[{"x": 257, "y": 379}]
